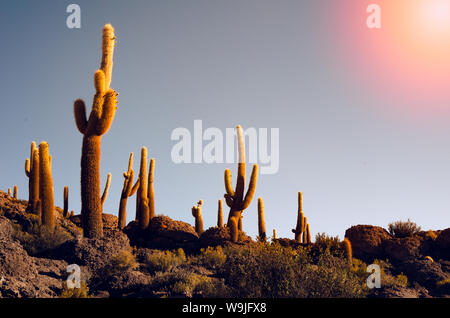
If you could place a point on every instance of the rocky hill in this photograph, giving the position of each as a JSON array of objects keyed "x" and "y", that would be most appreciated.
[{"x": 172, "y": 260}]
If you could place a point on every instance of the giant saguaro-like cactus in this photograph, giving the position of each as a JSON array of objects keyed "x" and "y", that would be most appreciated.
[
  {"x": 235, "y": 197},
  {"x": 32, "y": 172},
  {"x": 46, "y": 201},
  {"x": 127, "y": 191},
  {"x": 100, "y": 119}
]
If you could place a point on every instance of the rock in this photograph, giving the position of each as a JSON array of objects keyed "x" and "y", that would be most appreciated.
[
  {"x": 285, "y": 242},
  {"x": 128, "y": 284},
  {"x": 367, "y": 241},
  {"x": 443, "y": 244},
  {"x": 22, "y": 275},
  {"x": 424, "y": 272},
  {"x": 216, "y": 236},
  {"x": 401, "y": 249},
  {"x": 163, "y": 233},
  {"x": 395, "y": 292}
]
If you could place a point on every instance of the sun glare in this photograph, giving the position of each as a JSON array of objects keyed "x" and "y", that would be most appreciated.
[{"x": 436, "y": 15}]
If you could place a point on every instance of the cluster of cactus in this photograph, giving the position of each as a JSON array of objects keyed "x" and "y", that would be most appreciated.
[
  {"x": 13, "y": 193},
  {"x": 128, "y": 190},
  {"x": 99, "y": 122},
  {"x": 302, "y": 230}
]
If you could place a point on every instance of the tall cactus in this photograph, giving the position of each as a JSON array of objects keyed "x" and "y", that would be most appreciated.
[
  {"x": 151, "y": 190},
  {"x": 142, "y": 209},
  {"x": 235, "y": 197},
  {"x": 66, "y": 202},
  {"x": 32, "y": 172},
  {"x": 197, "y": 214},
  {"x": 100, "y": 120},
  {"x": 261, "y": 222},
  {"x": 308, "y": 234},
  {"x": 46, "y": 188},
  {"x": 348, "y": 251},
  {"x": 220, "y": 214},
  {"x": 127, "y": 191},
  {"x": 300, "y": 220}
]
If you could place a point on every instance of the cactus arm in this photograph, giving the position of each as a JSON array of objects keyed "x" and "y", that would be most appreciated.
[
  {"x": 79, "y": 110},
  {"x": 108, "y": 111},
  {"x": 27, "y": 167},
  {"x": 228, "y": 185},
  {"x": 251, "y": 188},
  {"x": 108, "y": 43},
  {"x": 228, "y": 200},
  {"x": 106, "y": 190},
  {"x": 151, "y": 191},
  {"x": 135, "y": 188}
]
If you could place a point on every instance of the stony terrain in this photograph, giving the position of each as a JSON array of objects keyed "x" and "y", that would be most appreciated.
[{"x": 30, "y": 268}]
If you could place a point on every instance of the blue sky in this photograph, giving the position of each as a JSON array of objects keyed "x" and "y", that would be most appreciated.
[{"x": 262, "y": 64}]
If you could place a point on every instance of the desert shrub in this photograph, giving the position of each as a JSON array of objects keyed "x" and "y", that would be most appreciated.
[
  {"x": 388, "y": 279},
  {"x": 442, "y": 283},
  {"x": 211, "y": 257},
  {"x": 164, "y": 260},
  {"x": 121, "y": 262},
  {"x": 273, "y": 271},
  {"x": 431, "y": 235},
  {"x": 402, "y": 229},
  {"x": 327, "y": 244},
  {"x": 82, "y": 292},
  {"x": 38, "y": 240}
]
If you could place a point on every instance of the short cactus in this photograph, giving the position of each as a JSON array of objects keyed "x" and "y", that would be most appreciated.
[
  {"x": 9, "y": 192},
  {"x": 235, "y": 197},
  {"x": 46, "y": 188},
  {"x": 66, "y": 202},
  {"x": 348, "y": 250},
  {"x": 261, "y": 222},
  {"x": 142, "y": 209},
  {"x": 106, "y": 190},
  {"x": 100, "y": 120},
  {"x": 274, "y": 236},
  {"x": 128, "y": 190},
  {"x": 32, "y": 172},
  {"x": 220, "y": 214},
  {"x": 197, "y": 214},
  {"x": 15, "y": 190}
]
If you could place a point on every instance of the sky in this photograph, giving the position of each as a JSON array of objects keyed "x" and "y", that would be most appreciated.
[{"x": 363, "y": 114}]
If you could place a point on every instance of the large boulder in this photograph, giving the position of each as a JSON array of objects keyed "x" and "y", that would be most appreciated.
[
  {"x": 163, "y": 233},
  {"x": 22, "y": 275},
  {"x": 424, "y": 272},
  {"x": 109, "y": 221},
  {"x": 402, "y": 249},
  {"x": 367, "y": 241},
  {"x": 443, "y": 244},
  {"x": 216, "y": 236}
]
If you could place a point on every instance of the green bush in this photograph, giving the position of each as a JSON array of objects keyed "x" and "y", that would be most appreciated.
[
  {"x": 121, "y": 262},
  {"x": 38, "y": 240},
  {"x": 211, "y": 258},
  {"x": 401, "y": 229},
  {"x": 273, "y": 271},
  {"x": 164, "y": 260},
  {"x": 82, "y": 292}
]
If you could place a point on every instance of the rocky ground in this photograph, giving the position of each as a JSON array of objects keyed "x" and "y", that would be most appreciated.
[{"x": 30, "y": 269}]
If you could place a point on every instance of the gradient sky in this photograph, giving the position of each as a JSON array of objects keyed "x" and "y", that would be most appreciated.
[{"x": 364, "y": 117}]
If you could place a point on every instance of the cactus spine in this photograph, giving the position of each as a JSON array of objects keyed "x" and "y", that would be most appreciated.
[
  {"x": 261, "y": 222},
  {"x": 32, "y": 172},
  {"x": 197, "y": 214},
  {"x": 235, "y": 197},
  {"x": 106, "y": 190},
  {"x": 66, "y": 202},
  {"x": 100, "y": 120},
  {"x": 127, "y": 191},
  {"x": 142, "y": 209},
  {"x": 300, "y": 220},
  {"x": 151, "y": 191},
  {"x": 220, "y": 214},
  {"x": 46, "y": 188}
]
